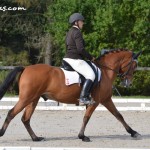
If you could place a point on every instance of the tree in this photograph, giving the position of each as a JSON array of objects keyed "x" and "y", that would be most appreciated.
[{"x": 24, "y": 30}]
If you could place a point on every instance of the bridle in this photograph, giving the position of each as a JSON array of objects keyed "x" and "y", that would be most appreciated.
[
  {"x": 125, "y": 76},
  {"x": 121, "y": 75},
  {"x": 129, "y": 65}
]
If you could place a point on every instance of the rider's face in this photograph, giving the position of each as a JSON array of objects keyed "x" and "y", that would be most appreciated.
[{"x": 80, "y": 24}]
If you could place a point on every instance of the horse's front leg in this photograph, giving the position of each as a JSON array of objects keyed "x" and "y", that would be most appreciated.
[
  {"x": 111, "y": 107},
  {"x": 86, "y": 118}
]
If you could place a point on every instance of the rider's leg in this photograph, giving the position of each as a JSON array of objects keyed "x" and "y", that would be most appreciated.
[
  {"x": 85, "y": 92},
  {"x": 83, "y": 68}
]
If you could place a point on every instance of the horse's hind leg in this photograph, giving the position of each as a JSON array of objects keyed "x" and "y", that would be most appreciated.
[
  {"x": 111, "y": 107},
  {"x": 11, "y": 114},
  {"x": 26, "y": 120}
]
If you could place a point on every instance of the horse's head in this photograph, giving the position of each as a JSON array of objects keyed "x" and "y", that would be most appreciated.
[
  {"x": 127, "y": 68},
  {"x": 119, "y": 62}
]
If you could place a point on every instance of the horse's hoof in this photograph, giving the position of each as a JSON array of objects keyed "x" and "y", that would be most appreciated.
[
  {"x": 137, "y": 136},
  {"x": 86, "y": 139},
  {"x": 39, "y": 139},
  {"x": 1, "y": 133}
]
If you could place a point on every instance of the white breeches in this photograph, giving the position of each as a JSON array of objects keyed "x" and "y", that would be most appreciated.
[{"x": 82, "y": 67}]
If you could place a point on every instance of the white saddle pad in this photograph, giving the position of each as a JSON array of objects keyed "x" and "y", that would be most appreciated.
[{"x": 72, "y": 77}]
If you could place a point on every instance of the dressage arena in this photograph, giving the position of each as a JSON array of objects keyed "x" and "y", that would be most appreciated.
[{"x": 60, "y": 129}]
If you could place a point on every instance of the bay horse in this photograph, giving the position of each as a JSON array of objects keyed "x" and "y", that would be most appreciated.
[{"x": 41, "y": 79}]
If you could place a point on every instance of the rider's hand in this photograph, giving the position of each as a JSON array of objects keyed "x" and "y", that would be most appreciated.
[{"x": 93, "y": 59}]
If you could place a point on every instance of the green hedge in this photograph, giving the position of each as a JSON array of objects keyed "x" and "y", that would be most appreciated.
[{"x": 108, "y": 24}]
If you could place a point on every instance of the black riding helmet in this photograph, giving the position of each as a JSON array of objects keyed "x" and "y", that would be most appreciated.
[{"x": 75, "y": 17}]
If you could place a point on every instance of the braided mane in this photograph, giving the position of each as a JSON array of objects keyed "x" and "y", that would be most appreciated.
[{"x": 112, "y": 51}]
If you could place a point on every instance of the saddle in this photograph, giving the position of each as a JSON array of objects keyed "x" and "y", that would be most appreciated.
[{"x": 66, "y": 66}]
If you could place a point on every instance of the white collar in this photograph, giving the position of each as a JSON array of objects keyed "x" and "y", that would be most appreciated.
[{"x": 76, "y": 27}]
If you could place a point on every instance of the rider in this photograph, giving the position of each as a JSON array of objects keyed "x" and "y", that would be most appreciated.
[{"x": 76, "y": 55}]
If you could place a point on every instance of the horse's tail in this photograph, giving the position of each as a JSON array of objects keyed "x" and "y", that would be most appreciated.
[{"x": 9, "y": 80}]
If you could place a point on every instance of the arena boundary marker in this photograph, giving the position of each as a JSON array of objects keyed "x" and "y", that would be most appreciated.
[
  {"x": 139, "y": 105},
  {"x": 86, "y": 149}
]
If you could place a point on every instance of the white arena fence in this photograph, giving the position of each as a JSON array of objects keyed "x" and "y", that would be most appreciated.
[
  {"x": 122, "y": 104},
  {"x": 48, "y": 148}
]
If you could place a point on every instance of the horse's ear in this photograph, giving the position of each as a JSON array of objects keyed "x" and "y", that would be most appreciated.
[
  {"x": 104, "y": 51},
  {"x": 135, "y": 56}
]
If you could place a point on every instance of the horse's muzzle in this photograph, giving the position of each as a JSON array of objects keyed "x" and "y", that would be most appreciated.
[{"x": 126, "y": 83}]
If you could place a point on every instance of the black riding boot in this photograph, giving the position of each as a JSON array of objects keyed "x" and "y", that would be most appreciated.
[{"x": 85, "y": 92}]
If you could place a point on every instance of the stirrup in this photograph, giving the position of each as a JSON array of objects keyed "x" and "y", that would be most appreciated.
[{"x": 86, "y": 101}]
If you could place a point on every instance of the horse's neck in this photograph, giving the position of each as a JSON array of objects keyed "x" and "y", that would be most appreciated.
[
  {"x": 109, "y": 75},
  {"x": 110, "y": 67}
]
